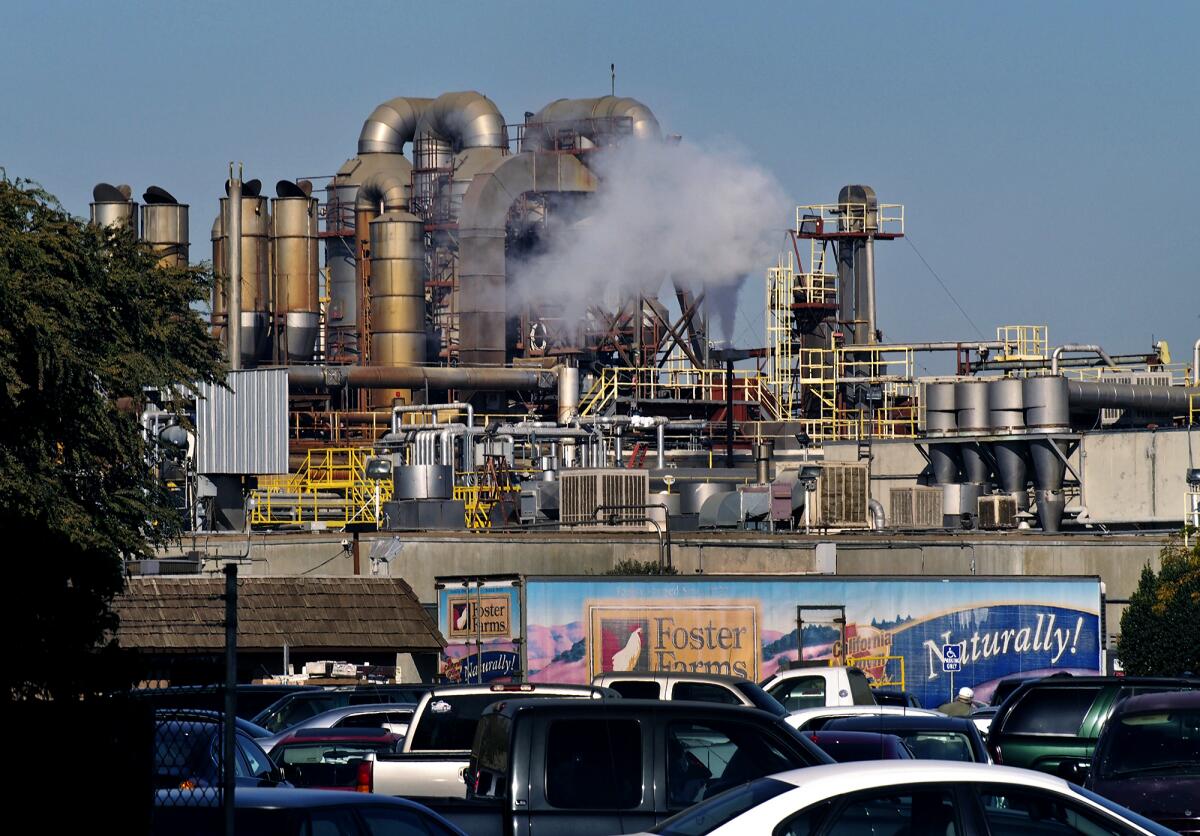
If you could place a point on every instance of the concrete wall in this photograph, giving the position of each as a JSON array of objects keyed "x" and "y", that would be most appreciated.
[
  {"x": 1137, "y": 477},
  {"x": 1117, "y": 560}
]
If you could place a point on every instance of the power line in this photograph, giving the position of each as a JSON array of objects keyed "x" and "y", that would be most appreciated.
[{"x": 943, "y": 284}]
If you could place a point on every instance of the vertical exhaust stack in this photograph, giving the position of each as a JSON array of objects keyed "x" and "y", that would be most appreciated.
[
  {"x": 111, "y": 207},
  {"x": 1006, "y": 406},
  {"x": 165, "y": 227},
  {"x": 295, "y": 262},
  {"x": 1047, "y": 411},
  {"x": 856, "y": 262},
  {"x": 220, "y": 260},
  {"x": 249, "y": 257}
]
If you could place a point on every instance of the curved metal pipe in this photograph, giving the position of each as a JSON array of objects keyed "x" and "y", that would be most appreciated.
[
  {"x": 412, "y": 377},
  {"x": 878, "y": 518},
  {"x": 1094, "y": 349},
  {"x": 463, "y": 120},
  {"x": 581, "y": 115},
  {"x": 382, "y": 192},
  {"x": 434, "y": 408},
  {"x": 391, "y": 125}
]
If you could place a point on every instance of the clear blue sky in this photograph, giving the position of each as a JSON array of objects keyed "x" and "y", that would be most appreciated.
[{"x": 1048, "y": 153}]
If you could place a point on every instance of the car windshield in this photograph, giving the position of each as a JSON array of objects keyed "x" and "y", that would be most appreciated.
[
  {"x": 938, "y": 746},
  {"x": 721, "y": 809},
  {"x": 299, "y": 708},
  {"x": 1154, "y": 743},
  {"x": 340, "y": 752},
  {"x": 761, "y": 699}
]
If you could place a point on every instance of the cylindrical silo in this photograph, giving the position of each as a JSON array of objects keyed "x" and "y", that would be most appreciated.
[
  {"x": 111, "y": 207},
  {"x": 296, "y": 266},
  {"x": 1045, "y": 404},
  {"x": 1006, "y": 406},
  {"x": 165, "y": 227},
  {"x": 1047, "y": 411},
  {"x": 397, "y": 297},
  {"x": 568, "y": 392},
  {"x": 941, "y": 420},
  {"x": 256, "y": 277},
  {"x": 971, "y": 408}
]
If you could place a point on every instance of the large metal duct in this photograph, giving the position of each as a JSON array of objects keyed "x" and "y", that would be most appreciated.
[
  {"x": 568, "y": 393},
  {"x": 295, "y": 260},
  {"x": 856, "y": 262},
  {"x": 255, "y": 274},
  {"x": 165, "y": 227},
  {"x": 482, "y": 296},
  {"x": 437, "y": 378},
  {"x": 1165, "y": 400},
  {"x": 220, "y": 269},
  {"x": 397, "y": 298},
  {"x": 590, "y": 118},
  {"x": 111, "y": 207},
  {"x": 381, "y": 142},
  {"x": 451, "y": 124},
  {"x": 1047, "y": 411}
]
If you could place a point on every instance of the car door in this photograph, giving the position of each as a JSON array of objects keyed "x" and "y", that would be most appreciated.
[{"x": 926, "y": 809}]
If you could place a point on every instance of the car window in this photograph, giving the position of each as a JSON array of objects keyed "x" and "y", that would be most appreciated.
[
  {"x": 860, "y": 688},
  {"x": 331, "y": 822},
  {"x": 928, "y": 809},
  {"x": 301, "y": 708},
  {"x": 705, "y": 758},
  {"x": 449, "y": 721},
  {"x": 704, "y": 692},
  {"x": 372, "y": 697},
  {"x": 1162, "y": 743},
  {"x": 801, "y": 692},
  {"x": 594, "y": 764},
  {"x": 938, "y": 746},
  {"x": 1050, "y": 711},
  {"x": 1018, "y": 811},
  {"x": 396, "y": 821},
  {"x": 805, "y": 823},
  {"x": 705, "y": 818},
  {"x": 636, "y": 689},
  {"x": 373, "y": 720},
  {"x": 259, "y": 764}
]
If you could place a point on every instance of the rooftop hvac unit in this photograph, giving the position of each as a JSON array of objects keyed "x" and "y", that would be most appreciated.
[
  {"x": 1131, "y": 417},
  {"x": 588, "y": 496},
  {"x": 917, "y": 507},
  {"x": 842, "y": 496},
  {"x": 997, "y": 511}
]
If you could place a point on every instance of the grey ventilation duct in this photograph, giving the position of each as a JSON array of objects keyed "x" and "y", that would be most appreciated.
[
  {"x": 111, "y": 207},
  {"x": 391, "y": 125},
  {"x": 589, "y": 118},
  {"x": 463, "y": 120},
  {"x": 482, "y": 227},
  {"x": 165, "y": 227},
  {"x": 1166, "y": 400},
  {"x": 382, "y": 192}
]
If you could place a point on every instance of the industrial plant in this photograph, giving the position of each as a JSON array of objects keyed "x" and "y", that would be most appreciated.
[{"x": 407, "y": 396}]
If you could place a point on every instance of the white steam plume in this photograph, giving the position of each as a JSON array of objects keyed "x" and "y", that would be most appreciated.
[{"x": 661, "y": 212}]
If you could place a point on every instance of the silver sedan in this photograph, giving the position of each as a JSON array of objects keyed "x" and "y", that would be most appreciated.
[{"x": 393, "y": 716}]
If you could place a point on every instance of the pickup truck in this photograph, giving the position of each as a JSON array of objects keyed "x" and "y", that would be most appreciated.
[
  {"x": 438, "y": 743},
  {"x": 588, "y": 767},
  {"x": 819, "y": 685},
  {"x": 698, "y": 687}
]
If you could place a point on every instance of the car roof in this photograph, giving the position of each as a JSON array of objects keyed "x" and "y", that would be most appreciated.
[
  {"x": 624, "y": 706},
  {"x": 345, "y": 733},
  {"x": 803, "y": 715},
  {"x": 365, "y": 708},
  {"x": 1076, "y": 681},
  {"x": 841, "y": 778},
  {"x": 916, "y": 722},
  {"x": 1163, "y": 700},
  {"x": 661, "y": 675},
  {"x": 513, "y": 688}
]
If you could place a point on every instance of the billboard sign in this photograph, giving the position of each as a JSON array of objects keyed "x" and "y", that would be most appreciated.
[
  {"x": 481, "y": 622},
  {"x": 896, "y": 629}
]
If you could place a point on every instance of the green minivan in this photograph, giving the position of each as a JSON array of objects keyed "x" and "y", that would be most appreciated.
[{"x": 1052, "y": 724}]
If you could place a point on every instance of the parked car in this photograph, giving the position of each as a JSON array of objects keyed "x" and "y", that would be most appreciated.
[
  {"x": 812, "y": 686},
  {"x": 930, "y": 738},
  {"x": 591, "y": 767},
  {"x": 254, "y": 730},
  {"x": 298, "y": 812},
  {"x": 889, "y": 696},
  {"x": 814, "y": 719},
  {"x": 1052, "y": 724},
  {"x": 295, "y": 708},
  {"x": 908, "y": 797},
  {"x": 438, "y": 744},
  {"x": 395, "y": 717},
  {"x": 251, "y": 699},
  {"x": 332, "y": 759},
  {"x": 698, "y": 687},
  {"x": 847, "y": 746},
  {"x": 187, "y": 755},
  {"x": 1148, "y": 758}
]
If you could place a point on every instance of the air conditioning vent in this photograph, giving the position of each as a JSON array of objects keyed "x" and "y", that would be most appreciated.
[
  {"x": 916, "y": 507},
  {"x": 584, "y": 492},
  {"x": 842, "y": 494},
  {"x": 997, "y": 511}
]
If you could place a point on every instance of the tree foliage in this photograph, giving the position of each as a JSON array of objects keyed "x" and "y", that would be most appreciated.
[
  {"x": 88, "y": 323},
  {"x": 629, "y": 566},
  {"x": 1160, "y": 629}
]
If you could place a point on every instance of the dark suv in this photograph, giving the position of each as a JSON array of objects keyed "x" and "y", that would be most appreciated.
[{"x": 1052, "y": 724}]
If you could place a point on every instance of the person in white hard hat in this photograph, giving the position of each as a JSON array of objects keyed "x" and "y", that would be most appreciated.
[{"x": 961, "y": 705}]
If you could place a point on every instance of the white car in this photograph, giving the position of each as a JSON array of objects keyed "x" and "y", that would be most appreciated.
[
  {"x": 812, "y": 719},
  {"x": 909, "y": 797}
]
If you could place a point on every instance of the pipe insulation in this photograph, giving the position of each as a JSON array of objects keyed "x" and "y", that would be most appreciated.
[
  {"x": 435, "y": 377},
  {"x": 391, "y": 125},
  {"x": 463, "y": 120},
  {"x": 587, "y": 117},
  {"x": 1078, "y": 348},
  {"x": 1169, "y": 400}
]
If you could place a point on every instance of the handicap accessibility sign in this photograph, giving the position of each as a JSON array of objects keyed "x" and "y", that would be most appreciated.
[{"x": 952, "y": 658}]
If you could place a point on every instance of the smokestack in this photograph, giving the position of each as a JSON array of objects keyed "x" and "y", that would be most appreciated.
[{"x": 233, "y": 249}]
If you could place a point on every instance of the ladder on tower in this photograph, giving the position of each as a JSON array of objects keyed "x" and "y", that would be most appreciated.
[{"x": 637, "y": 456}]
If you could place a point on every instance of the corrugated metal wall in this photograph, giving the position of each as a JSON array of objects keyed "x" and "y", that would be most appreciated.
[{"x": 243, "y": 429}]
